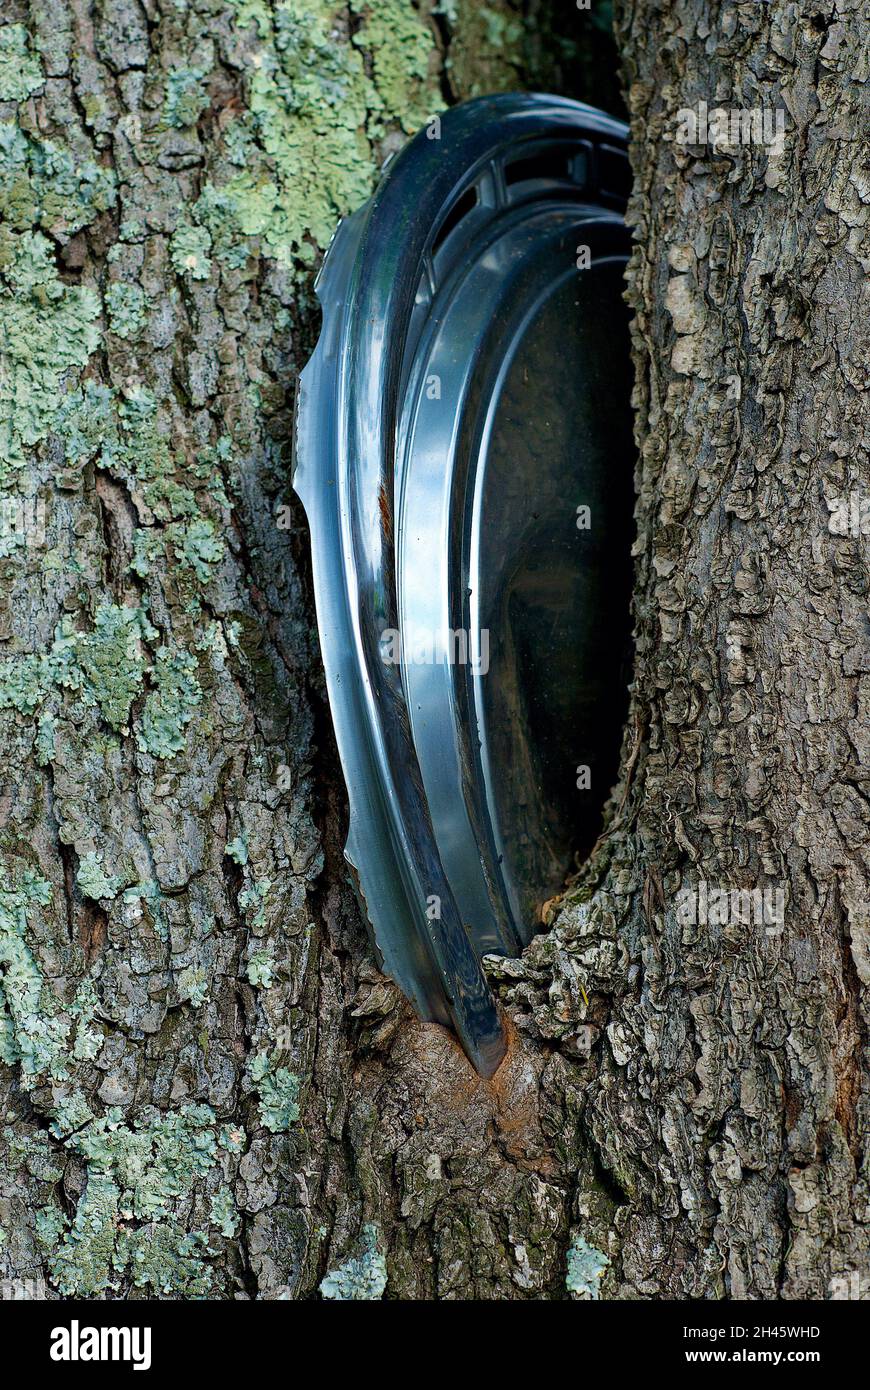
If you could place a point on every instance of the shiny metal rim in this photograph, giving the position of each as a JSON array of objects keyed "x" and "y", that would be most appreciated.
[{"x": 394, "y": 270}]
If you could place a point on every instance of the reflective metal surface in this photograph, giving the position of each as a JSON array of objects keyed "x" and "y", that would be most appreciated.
[{"x": 469, "y": 391}]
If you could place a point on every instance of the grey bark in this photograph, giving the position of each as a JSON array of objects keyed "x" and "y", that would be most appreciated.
[{"x": 244, "y": 1107}]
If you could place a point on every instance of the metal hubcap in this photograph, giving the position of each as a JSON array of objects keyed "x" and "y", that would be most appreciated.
[{"x": 469, "y": 391}]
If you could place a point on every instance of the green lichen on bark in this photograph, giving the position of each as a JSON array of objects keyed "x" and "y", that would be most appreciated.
[
  {"x": 169, "y": 705},
  {"x": 23, "y": 1035},
  {"x": 46, "y": 329},
  {"x": 82, "y": 1261},
  {"x": 20, "y": 69},
  {"x": 303, "y": 144},
  {"x": 107, "y": 664},
  {"x": 35, "y": 1028},
  {"x": 362, "y": 1278},
  {"x": 46, "y": 185},
  {"x": 126, "y": 308},
  {"x": 93, "y": 879},
  {"x": 586, "y": 1268},
  {"x": 402, "y": 51},
  {"x": 186, "y": 97},
  {"x": 277, "y": 1089},
  {"x": 105, "y": 668},
  {"x": 136, "y": 1174},
  {"x": 190, "y": 247},
  {"x": 261, "y": 969}
]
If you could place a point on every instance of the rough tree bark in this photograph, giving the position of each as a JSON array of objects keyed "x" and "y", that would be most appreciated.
[{"x": 207, "y": 1088}]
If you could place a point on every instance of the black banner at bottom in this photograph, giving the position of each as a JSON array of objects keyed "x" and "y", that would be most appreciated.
[{"x": 63, "y": 1339}]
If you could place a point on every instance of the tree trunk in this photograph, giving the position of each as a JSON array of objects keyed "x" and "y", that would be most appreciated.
[{"x": 208, "y": 1089}]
